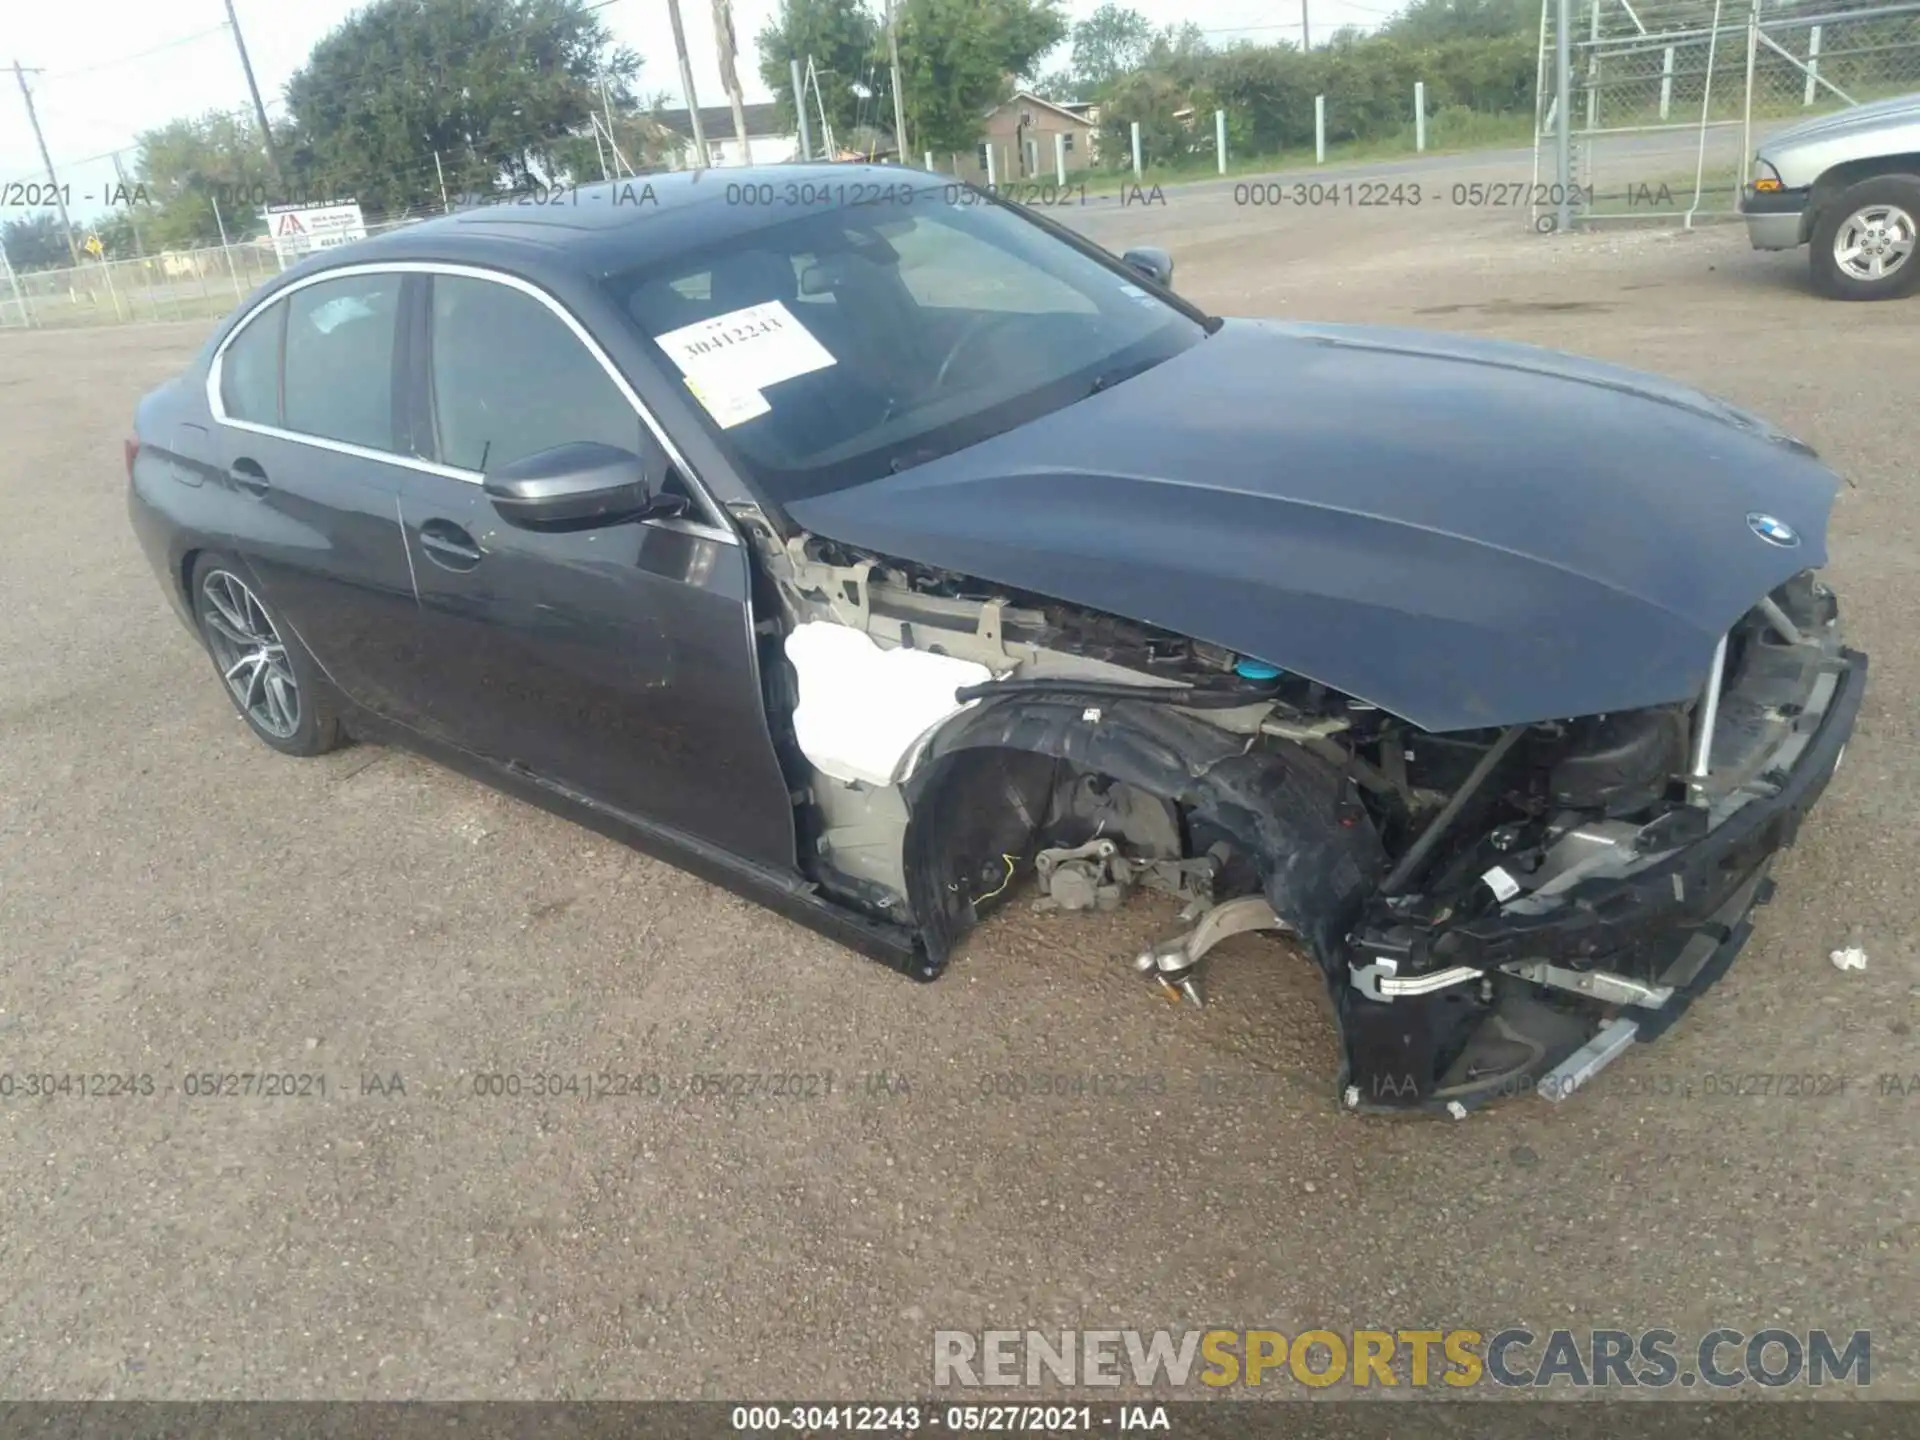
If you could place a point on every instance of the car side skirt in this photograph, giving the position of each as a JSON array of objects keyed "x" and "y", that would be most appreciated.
[{"x": 788, "y": 895}]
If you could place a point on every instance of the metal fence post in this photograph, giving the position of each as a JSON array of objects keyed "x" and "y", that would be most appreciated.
[
  {"x": 1319, "y": 129},
  {"x": 1136, "y": 150},
  {"x": 113, "y": 294},
  {"x": 1666, "y": 83},
  {"x": 991, "y": 179},
  {"x": 1753, "y": 51},
  {"x": 1220, "y": 138},
  {"x": 1060, "y": 157},
  {"x": 1706, "y": 109},
  {"x": 1813, "y": 64},
  {"x": 1593, "y": 64},
  {"x": 1419, "y": 115},
  {"x": 26, "y": 315},
  {"x": 226, "y": 250},
  {"x": 1563, "y": 109},
  {"x": 928, "y": 158}
]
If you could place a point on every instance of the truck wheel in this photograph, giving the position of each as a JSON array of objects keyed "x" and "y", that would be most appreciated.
[{"x": 1866, "y": 238}]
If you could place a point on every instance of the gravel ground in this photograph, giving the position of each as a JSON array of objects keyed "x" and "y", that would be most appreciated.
[{"x": 176, "y": 899}]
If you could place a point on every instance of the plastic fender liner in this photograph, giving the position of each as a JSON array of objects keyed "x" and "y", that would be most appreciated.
[{"x": 980, "y": 792}]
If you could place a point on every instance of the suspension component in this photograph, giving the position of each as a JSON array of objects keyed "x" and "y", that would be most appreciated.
[{"x": 1174, "y": 963}]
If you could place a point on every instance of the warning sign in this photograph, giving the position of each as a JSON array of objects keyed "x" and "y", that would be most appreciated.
[{"x": 299, "y": 230}]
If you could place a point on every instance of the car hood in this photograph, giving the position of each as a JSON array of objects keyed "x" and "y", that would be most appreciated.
[
  {"x": 1856, "y": 119},
  {"x": 1462, "y": 532}
]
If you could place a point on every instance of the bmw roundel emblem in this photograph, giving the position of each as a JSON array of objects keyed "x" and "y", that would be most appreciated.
[{"x": 1774, "y": 532}]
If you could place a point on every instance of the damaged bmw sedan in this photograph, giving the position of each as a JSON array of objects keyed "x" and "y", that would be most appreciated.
[{"x": 884, "y": 552}]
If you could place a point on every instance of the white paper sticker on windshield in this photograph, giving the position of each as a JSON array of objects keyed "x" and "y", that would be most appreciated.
[
  {"x": 730, "y": 405},
  {"x": 745, "y": 349}
]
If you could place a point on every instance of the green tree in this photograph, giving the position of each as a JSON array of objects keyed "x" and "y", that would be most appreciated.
[
  {"x": 843, "y": 38},
  {"x": 493, "y": 88},
  {"x": 1153, "y": 101},
  {"x": 35, "y": 242},
  {"x": 191, "y": 164},
  {"x": 118, "y": 237},
  {"x": 1111, "y": 42},
  {"x": 1425, "y": 21},
  {"x": 1057, "y": 86},
  {"x": 958, "y": 59}
]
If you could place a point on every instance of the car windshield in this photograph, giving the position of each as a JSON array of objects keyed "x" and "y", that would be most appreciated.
[{"x": 857, "y": 341}]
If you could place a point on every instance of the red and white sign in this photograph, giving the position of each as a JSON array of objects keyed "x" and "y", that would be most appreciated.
[{"x": 300, "y": 230}]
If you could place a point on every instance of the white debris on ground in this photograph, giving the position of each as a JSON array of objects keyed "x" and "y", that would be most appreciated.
[{"x": 1851, "y": 958}]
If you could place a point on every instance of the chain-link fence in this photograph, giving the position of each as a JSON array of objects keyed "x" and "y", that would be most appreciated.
[
  {"x": 199, "y": 284},
  {"x": 175, "y": 285},
  {"x": 1667, "y": 98}
]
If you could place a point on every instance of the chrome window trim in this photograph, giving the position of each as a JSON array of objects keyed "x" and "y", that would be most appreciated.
[{"x": 715, "y": 527}]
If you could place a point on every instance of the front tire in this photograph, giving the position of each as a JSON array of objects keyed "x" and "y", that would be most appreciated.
[
  {"x": 267, "y": 673},
  {"x": 1866, "y": 241}
]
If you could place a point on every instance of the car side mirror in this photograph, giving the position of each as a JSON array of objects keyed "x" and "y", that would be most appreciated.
[
  {"x": 1152, "y": 262},
  {"x": 574, "y": 486}
]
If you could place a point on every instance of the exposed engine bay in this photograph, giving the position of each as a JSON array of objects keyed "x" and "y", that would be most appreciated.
[{"x": 1495, "y": 911}]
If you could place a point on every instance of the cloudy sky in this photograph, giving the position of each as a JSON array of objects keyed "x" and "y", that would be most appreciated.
[{"x": 112, "y": 68}]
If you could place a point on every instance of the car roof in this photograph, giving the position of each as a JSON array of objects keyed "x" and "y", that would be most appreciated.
[{"x": 595, "y": 230}]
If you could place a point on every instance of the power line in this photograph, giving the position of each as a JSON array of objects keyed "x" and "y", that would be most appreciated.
[{"x": 137, "y": 55}]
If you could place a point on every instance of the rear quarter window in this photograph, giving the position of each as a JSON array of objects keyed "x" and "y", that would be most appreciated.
[{"x": 250, "y": 369}]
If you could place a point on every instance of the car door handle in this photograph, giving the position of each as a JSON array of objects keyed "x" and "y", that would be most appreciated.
[
  {"x": 448, "y": 546},
  {"x": 248, "y": 475}
]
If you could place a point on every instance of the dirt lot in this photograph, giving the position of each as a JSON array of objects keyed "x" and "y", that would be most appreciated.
[{"x": 175, "y": 899}]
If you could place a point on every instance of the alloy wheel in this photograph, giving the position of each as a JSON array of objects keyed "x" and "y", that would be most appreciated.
[
  {"x": 251, "y": 656},
  {"x": 1874, "y": 242}
]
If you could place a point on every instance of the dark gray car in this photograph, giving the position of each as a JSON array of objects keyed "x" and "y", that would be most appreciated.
[{"x": 891, "y": 554}]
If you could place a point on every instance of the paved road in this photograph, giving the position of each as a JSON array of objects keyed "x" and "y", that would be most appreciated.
[{"x": 174, "y": 899}]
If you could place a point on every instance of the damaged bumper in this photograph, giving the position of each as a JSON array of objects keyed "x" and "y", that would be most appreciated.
[{"x": 1537, "y": 996}]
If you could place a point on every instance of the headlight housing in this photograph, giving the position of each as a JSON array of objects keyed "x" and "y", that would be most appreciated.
[{"x": 1763, "y": 176}]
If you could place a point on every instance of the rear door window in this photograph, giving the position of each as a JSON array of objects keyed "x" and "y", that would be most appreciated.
[{"x": 339, "y": 360}]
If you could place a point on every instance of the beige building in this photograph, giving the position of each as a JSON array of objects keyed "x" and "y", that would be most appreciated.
[{"x": 1018, "y": 140}]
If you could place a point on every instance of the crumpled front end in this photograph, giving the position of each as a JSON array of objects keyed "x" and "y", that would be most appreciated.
[
  {"x": 1494, "y": 911},
  {"x": 1531, "y": 953}
]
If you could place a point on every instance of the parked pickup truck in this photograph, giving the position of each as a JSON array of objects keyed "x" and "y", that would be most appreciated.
[{"x": 1848, "y": 185}]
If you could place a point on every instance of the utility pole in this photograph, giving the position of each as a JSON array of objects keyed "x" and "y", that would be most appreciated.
[
  {"x": 119, "y": 170},
  {"x": 686, "y": 84},
  {"x": 1306, "y": 35},
  {"x": 800, "y": 107},
  {"x": 899, "y": 101},
  {"x": 59, "y": 200},
  {"x": 259, "y": 110},
  {"x": 730, "y": 75}
]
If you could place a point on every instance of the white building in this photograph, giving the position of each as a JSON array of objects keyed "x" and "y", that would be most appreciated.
[{"x": 768, "y": 142}]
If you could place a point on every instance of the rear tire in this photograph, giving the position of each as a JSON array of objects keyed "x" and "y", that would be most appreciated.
[
  {"x": 1864, "y": 244},
  {"x": 263, "y": 668}
]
